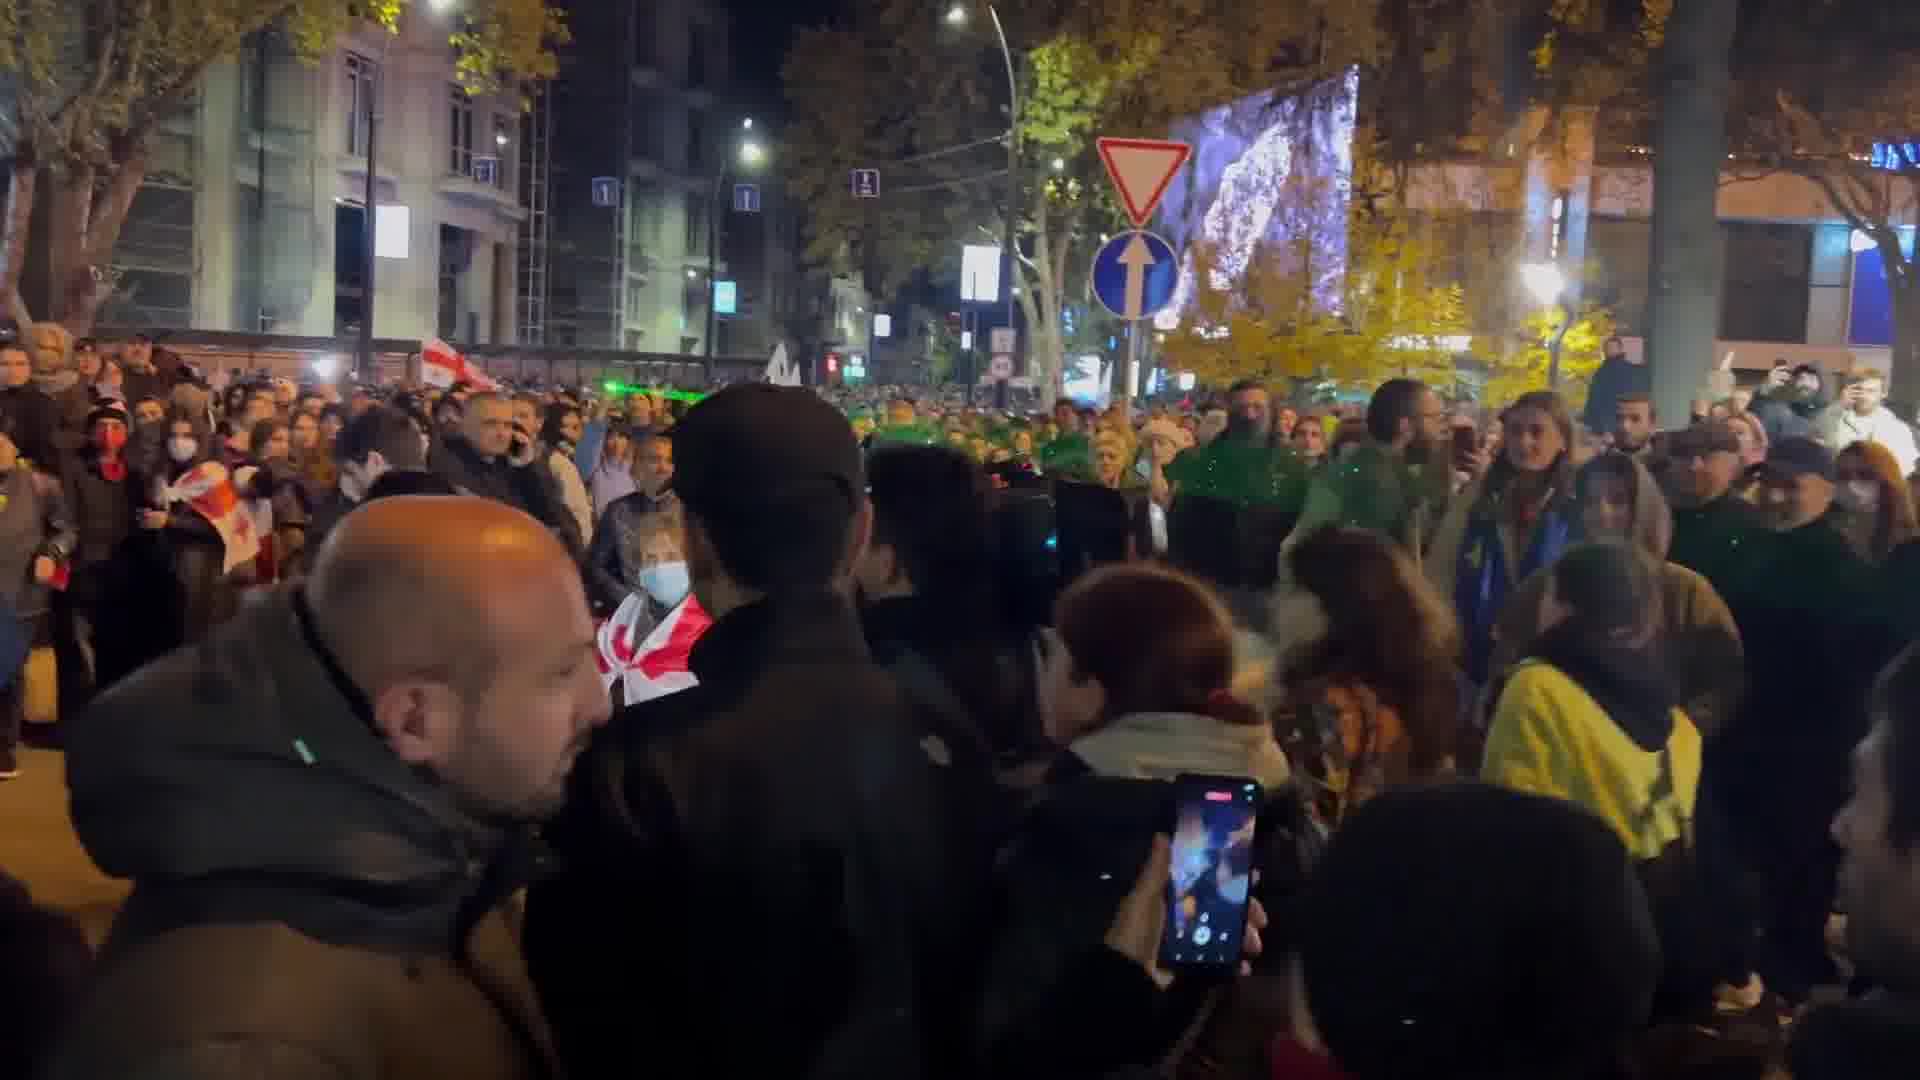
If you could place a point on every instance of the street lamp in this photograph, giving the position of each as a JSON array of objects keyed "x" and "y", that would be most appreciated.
[
  {"x": 1544, "y": 281},
  {"x": 1548, "y": 284},
  {"x": 957, "y": 16},
  {"x": 750, "y": 155}
]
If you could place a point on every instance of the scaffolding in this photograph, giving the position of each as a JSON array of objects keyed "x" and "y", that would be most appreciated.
[{"x": 535, "y": 227}]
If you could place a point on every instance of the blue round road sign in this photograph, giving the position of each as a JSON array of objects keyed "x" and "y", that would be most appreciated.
[{"x": 1134, "y": 274}]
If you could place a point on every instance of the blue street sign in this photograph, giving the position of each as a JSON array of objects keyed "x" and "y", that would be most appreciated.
[
  {"x": 866, "y": 183},
  {"x": 1134, "y": 274},
  {"x": 746, "y": 199},
  {"x": 606, "y": 191}
]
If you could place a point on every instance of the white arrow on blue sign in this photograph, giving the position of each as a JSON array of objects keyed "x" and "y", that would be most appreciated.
[{"x": 1134, "y": 275}]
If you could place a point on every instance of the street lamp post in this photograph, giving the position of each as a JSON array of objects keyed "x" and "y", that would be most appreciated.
[
  {"x": 957, "y": 16},
  {"x": 1549, "y": 285},
  {"x": 750, "y": 155}
]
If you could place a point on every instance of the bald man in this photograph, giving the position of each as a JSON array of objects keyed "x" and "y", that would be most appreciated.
[{"x": 318, "y": 808}]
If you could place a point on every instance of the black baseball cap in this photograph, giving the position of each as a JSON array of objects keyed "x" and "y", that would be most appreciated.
[
  {"x": 1799, "y": 456},
  {"x": 755, "y": 444}
]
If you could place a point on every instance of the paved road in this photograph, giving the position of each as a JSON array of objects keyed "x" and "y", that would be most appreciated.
[{"x": 37, "y": 845}]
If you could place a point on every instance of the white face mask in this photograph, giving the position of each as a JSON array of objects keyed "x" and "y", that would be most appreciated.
[
  {"x": 667, "y": 582},
  {"x": 1859, "y": 495},
  {"x": 181, "y": 450}
]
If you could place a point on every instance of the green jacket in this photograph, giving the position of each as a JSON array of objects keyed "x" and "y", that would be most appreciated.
[
  {"x": 1371, "y": 487},
  {"x": 1245, "y": 474}
]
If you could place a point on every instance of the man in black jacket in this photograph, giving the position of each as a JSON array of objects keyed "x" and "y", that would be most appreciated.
[
  {"x": 478, "y": 459},
  {"x": 753, "y": 878}
]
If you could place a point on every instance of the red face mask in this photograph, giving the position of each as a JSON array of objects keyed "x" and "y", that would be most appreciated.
[{"x": 110, "y": 437}]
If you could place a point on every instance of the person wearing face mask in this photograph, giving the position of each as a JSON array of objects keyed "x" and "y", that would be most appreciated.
[
  {"x": 637, "y": 549},
  {"x": 1511, "y": 523},
  {"x": 1875, "y": 510},
  {"x": 102, "y": 496}
]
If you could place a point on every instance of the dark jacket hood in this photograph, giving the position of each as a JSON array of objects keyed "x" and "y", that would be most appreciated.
[{"x": 245, "y": 757}]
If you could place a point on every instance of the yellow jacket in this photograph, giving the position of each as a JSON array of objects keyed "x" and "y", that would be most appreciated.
[{"x": 1550, "y": 737}]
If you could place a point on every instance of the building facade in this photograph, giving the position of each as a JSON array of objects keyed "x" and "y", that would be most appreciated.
[
  {"x": 253, "y": 216},
  {"x": 654, "y": 167}
]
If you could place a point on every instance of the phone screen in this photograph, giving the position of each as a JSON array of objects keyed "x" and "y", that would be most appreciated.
[{"x": 1211, "y": 871}]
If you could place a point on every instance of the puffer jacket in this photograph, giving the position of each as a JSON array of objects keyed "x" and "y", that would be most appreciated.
[{"x": 305, "y": 904}]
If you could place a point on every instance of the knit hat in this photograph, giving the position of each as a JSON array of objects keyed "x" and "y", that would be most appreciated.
[
  {"x": 1467, "y": 930},
  {"x": 106, "y": 410}
]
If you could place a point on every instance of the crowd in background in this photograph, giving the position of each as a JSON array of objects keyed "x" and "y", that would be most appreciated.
[{"x": 1585, "y": 747}]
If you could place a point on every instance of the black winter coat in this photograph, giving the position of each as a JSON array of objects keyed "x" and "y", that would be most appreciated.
[
  {"x": 757, "y": 877},
  {"x": 531, "y": 488}
]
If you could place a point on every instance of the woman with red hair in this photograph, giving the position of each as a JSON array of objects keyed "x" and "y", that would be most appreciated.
[{"x": 1879, "y": 506}]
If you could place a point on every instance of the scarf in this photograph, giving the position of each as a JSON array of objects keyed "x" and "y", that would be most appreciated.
[
  {"x": 1482, "y": 578},
  {"x": 1630, "y": 684}
]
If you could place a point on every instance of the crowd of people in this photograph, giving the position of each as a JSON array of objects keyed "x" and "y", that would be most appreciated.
[{"x": 1581, "y": 750}]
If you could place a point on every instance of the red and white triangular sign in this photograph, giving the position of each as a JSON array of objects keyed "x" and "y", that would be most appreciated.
[{"x": 1141, "y": 170}]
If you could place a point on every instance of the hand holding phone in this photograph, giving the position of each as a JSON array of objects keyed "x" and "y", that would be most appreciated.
[{"x": 1209, "y": 890}]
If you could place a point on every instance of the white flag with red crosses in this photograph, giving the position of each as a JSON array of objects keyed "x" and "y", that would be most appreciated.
[{"x": 654, "y": 664}]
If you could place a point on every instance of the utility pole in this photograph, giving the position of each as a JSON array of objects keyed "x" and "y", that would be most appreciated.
[{"x": 364, "y": 358}]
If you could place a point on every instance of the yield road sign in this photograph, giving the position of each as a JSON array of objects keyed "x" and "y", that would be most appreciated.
[
  {"x": 1141, "y": 169},
  {"x": 1134, "y": 274}
]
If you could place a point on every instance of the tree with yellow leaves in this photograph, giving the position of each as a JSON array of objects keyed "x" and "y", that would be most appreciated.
[
  {"x": 1518, "y": 367},
  {"x": 1396, "y": 317},
  {"x": 92, "y": 80}
]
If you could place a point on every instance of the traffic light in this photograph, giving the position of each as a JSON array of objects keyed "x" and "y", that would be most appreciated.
[{"x": 954, "y": 322}]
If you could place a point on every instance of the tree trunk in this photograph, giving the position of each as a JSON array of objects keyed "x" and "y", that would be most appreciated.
[
  {"x": 1903, "y": 378},
  {"x": 85, "y": 231},
  {"x": 1689, "y": 152},
  {"x": 21, "y": 185}
]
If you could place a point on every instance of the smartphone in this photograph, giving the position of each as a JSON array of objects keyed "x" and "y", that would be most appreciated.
[{"x": 1210, "y": 876}]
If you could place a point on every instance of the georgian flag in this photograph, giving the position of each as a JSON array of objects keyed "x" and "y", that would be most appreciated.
[
  {"x": 441, "y": 365},
  {"x": 656, "y": 664},
  {"x": 209, "y": 490}
]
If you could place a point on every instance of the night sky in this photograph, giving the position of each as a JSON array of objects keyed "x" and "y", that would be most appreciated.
[{"x": 762, "y": 29}]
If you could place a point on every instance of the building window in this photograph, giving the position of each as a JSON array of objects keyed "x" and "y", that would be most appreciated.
[
  {"x": 502, "y": 150},
  {"x": 361, "y": 74},
  {"x": 696, "y": 138},
  {"x": 696, "y": 56},
  {"x": 460, "y": 134},
  {"x": 696, "y": 224}
]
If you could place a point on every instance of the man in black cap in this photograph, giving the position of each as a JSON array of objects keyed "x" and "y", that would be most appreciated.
[
  {"x": 751, "y": 882},
  {"x": 1713, "y": 526},
  {"x": 1813, "y": 638}
]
